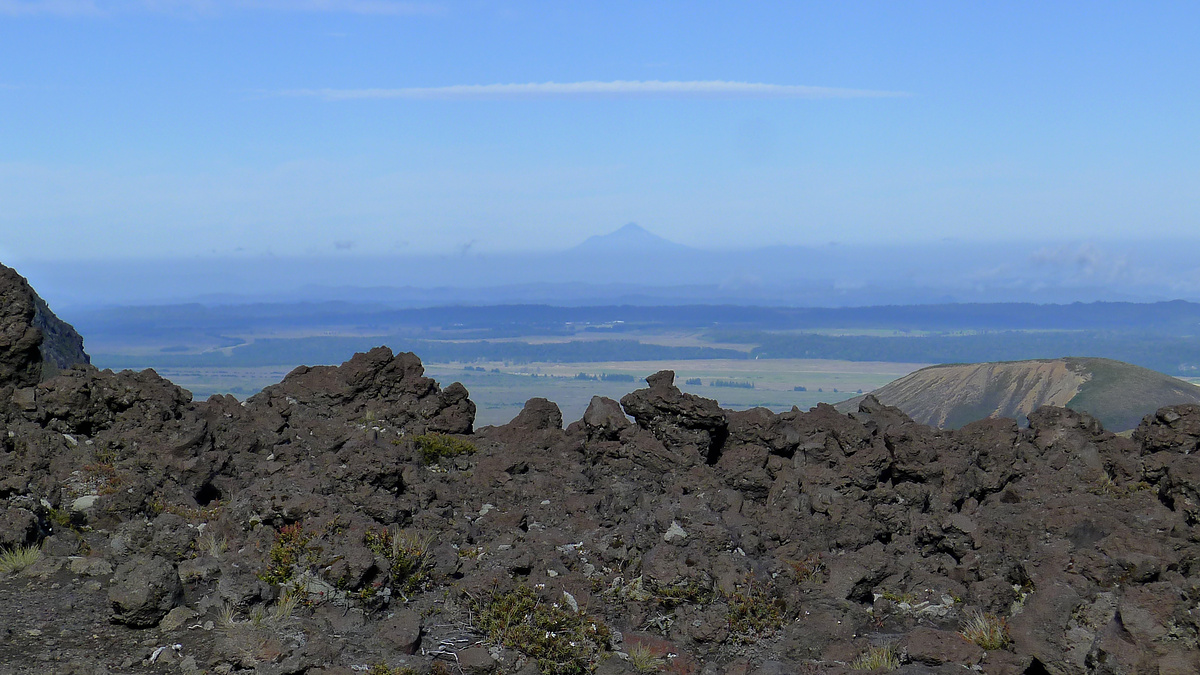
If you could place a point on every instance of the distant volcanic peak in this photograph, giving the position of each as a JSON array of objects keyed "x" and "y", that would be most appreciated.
[{"x": 630, "y": 238}]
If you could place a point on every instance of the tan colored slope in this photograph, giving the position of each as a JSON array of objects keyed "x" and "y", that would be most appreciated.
[{"x": 1117, "y": 393}]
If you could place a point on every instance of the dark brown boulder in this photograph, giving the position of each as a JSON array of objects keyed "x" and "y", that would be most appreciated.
[
  {"x": 144, "y": 591},
  {"x": 682, "y": 422},
  {"x": 604, "y": 419},
  {"x": 538, "y": 414}
]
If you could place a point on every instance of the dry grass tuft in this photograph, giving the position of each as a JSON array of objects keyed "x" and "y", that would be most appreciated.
[
  {"x": 986, "y": 630},
  {"x": 877, "y": 658},
  {"x": 644, "y": 660},
  {"x": 19, "y": 558}
]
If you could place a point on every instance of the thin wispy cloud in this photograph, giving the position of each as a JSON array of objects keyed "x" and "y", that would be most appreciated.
[
  {"x": 393, "y": 7},
  {"x": 615, "y": 89},
  {"x": 49, "y": 7},
  {"x": 76, "y": 8}
]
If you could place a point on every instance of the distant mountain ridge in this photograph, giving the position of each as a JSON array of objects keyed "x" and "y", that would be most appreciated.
[
  {"x": 950, "y": 396},
  {"x": 630, "y": 238}
]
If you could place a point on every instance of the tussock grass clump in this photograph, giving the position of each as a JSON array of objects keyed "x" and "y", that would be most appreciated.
[
  {"x": 16, "y": 559},
  {"x": 645, "y": 660},
  {"x": 877, "y": 658},
  {"x": 986, "y": 630},
  {"x": 210, "y": 544},
  {"x": 433, "y": 447},
  {"x": 563, "y": 642},
  {"x": 408, "y": 554}
]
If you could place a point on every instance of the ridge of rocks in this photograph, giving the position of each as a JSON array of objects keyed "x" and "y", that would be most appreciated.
[{"x": 271, "y": 535}]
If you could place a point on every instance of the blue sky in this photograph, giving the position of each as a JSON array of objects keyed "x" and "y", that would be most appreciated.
[{"x": 168, "y": 128}]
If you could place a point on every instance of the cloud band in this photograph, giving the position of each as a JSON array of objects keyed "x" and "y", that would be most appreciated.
[
  {"x": 615, "y": 89},
  {"x": 79, "y": 8}
]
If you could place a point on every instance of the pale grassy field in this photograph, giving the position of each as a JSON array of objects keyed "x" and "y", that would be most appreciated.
[
  {"x": 501, "y": 391},
  {"x": 500, "y": 395}
]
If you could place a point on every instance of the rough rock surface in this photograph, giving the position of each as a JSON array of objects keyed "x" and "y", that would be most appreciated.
[
  {"x": 34, "y": 344},
  {"x": 143, "y": 591},
  {"x": 351, "y": 518},
  {"x": 684, "y": 423}
]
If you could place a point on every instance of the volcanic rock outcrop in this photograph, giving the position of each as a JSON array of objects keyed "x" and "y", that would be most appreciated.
[
  {"x": 350, "y": 519},
  {"x": 34, "y": 344}
]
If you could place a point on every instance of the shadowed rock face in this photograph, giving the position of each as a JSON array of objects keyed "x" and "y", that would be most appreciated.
[
  {"x": 34, "y": 344},
  {"x": 805, "y": 539}
]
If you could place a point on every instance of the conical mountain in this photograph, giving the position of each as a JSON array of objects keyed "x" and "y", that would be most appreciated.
[{"x": 632, "y": 239}]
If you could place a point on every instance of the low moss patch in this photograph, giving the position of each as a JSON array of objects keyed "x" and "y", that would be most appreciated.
[
  {"x": 434, "y": 447},
  {"x": 384, "y": 669}
]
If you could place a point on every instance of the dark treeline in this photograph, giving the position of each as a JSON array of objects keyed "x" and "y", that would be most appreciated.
[
  {"x": 184, "y": 321},
  {"x": 1164, "y": 353}
]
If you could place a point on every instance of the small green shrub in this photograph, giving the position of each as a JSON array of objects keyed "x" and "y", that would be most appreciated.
[
  {"x": 812, "y": 568},
  {"x": 1108, "y": 487},
  {"x": 755, "y": 610},
  {"x": 292, "y": 546},
  {"x": 408, "y": 554},
  {"x": 877, "y": 658},
  {"x": 60, "y": 517},
  {"x": 19, "y": 558},
  {"x": 986, "y": 630},
  {"x": 563, "y": 642},
  {"x": 433, "y": 447},
  {"x": 690, "y": 592},
  {"x": 906, "y": 598}
]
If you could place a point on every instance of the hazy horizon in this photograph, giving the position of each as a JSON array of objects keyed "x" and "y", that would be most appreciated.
[{"x": 632, "y": 265}]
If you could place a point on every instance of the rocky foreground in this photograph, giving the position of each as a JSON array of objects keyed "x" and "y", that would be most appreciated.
[{"x": 350, "y": 519}]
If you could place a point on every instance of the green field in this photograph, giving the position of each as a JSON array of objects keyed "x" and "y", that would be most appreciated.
[{"x": 502, "y": 388}]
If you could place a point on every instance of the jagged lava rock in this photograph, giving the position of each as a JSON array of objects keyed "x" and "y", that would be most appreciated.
[
  {"x": 34, "y": 344},
  {"x": 742, "y": 541},
  {"x": 683, "y": 422},
  {"x": 376, "y": 385}
]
